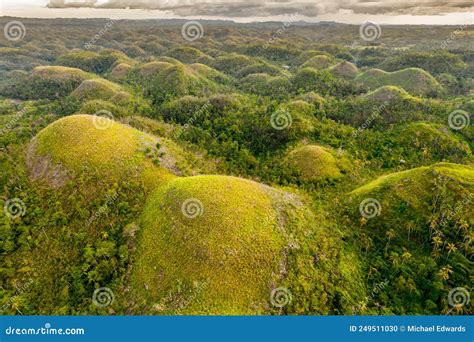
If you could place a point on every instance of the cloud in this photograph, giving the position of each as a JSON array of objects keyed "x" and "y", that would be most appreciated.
[{"x": 247, "y": 8}]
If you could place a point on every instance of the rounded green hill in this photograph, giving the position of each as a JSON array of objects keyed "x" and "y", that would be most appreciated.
[
  {"x": 388, "y": 93},
  {"x": 413, "y": 226},
  {"x": 429, "y": 141},
  {"x": 318, "y": 62},
  {"x": 98, "y": 147},
  {"x": 120, "y": 72},
  {"x": 210, "y": 245},
  {"x": 92, "y": 61},
  {"x": 53, "y": 81},
  {"x": 163, "y": 80},
  {"x": 414, "y": 80},
  {"x": 344, "y": 69},
  {"x": 96, "y": 89},
  {"x": 316, "y": 163},
  {"x": 185, "y": 54},
  {"x": 411, "y": 193}
]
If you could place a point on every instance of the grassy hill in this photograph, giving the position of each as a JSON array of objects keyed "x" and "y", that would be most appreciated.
[
  {"x": 414, "y": 80},
  {"x": 316, "y": 163},
  {"x": 215, "y": 238},
  {"x": 246, "y": 172},
  {"x": 419, "y": 219},
  {"x": 99, "y": 148}
]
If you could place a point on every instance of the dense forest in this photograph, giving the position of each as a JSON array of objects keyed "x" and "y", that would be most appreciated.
[{"x": 171, "y": 167}]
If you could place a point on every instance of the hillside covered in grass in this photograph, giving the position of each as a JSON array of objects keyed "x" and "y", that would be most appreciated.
[{"x": 149, "y": 174}]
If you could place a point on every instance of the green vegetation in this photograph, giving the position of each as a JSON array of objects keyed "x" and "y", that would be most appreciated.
[
  {"x": 415, "y": 81},
  {"x": 214, "y": 231},
  {"x": 47, "y": 82},
  {"x": 388, "y": 93},
  {"x": 232, "y": 174},
  {"x": 98, "y": 89},
  {"x": 97, "y": 146},
  {"x": 315, "y": 163},
  {"x": 344, "y": 69},
  {"x": 90, "y": 61},
  {"x": 421, "y": 228}
]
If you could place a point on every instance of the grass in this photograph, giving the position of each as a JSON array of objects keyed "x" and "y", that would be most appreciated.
[
  {"x": 408, "y": 194},
  {"x": 414, "y": 80},
  {"x": 164, "y": 80},
  {"x": 318, "y": 62},
  {"x": 96, "y": 89},
  {"x": 435, "y": 141},
  {"x": 460, "y": 172},
  {"x": 149, "y": 69},
  {"x": 54, "y": 81},
  {"x": 344, "y": 69},
  {"x": 314, "y": 163},
  {"x": 389, "y": 93},
  {"x": 120, "y": 72},
  {"x": 60, "y": 73},
  {"x": 102, "y": 149},
  {"x": 233, "y": 249}
]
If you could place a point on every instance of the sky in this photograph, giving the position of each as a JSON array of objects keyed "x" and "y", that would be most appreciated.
[{"x": 448, "y": 12}]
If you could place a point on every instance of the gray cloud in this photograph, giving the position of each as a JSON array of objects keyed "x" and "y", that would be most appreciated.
[{"x": 247, "y": 8}]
